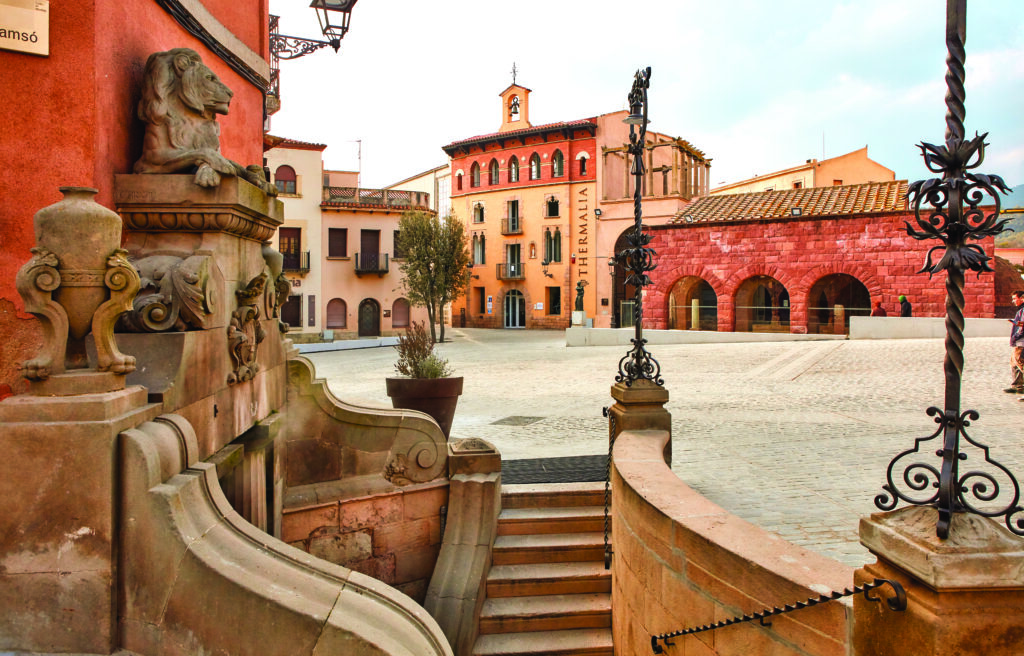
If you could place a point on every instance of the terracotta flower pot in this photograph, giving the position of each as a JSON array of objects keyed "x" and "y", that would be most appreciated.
[{"x": 435, "y": 396}]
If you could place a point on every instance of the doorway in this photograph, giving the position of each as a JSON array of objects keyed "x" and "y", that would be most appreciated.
[
  {"x": 515, "y": 309},
  {"x": 369, "y": 318}
]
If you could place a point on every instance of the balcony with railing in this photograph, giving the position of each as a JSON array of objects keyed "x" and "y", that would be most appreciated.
[
  {"x": 512, "y": 225},
  {"x": 511, "y": 271},
  {"x": 381, "y": 198},
  {"x": 296, "y": 262},
  {"x": 367, "y": 263}
]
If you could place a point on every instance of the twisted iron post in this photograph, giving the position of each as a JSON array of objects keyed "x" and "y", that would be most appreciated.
[
  {"x": 954, "y": 217},
  {"x": 638, "y": 260}
]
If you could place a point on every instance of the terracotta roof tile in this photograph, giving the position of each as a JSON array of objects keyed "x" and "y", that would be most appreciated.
[{"x": 812, "y": 201}]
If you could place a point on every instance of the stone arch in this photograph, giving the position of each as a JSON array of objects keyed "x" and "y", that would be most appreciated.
[
  {"x": 762, "y": 304},
  {"x": 832, "y": 300},
  {"x": 657, "y": 311}
]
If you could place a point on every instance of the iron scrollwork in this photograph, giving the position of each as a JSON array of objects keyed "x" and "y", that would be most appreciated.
[
  {"x": 293, "y": 47},
  {"x": 954, "y": 218},
  {"x": 638, "y": 259}
]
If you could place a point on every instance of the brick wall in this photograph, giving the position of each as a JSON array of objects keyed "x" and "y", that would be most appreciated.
[
  {"x": 873, "y": 248},
  {"x": 681, "y": 561},
  {"x": 392, "y": 536}
]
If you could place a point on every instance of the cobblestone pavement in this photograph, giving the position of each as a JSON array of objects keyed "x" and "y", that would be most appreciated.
[{"x": 792, "y": 436}]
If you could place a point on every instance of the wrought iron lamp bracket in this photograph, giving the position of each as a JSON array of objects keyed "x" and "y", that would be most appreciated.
[{"x": 283, "y": 46}]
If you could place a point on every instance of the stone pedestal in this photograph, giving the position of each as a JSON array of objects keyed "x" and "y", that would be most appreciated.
[
  {"x": 579, "y": 317},
  {"x": 641, "y": 407},
  {"x": 965, "y": 594},
  {"x": 58, "y": 536}
]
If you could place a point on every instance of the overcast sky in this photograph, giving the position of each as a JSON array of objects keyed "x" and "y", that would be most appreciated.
[{"x": 757, "y": 85}]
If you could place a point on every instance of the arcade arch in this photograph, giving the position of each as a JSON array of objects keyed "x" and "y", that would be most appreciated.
[
  {"x": 833, "y": 299},
  {"x": 692, "y": 305},
  {"x": 762, "y": 305}
]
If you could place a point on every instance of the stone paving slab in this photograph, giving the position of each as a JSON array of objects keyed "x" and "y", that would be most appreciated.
[{"x": 792, "y": 436}]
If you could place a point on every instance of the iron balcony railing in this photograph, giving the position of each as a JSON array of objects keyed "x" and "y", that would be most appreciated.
[
  {"x": 511, "y": 271},
  {"x": 376, "y": 197},
  {"x": 296, "y": 262},
  {"x": 371, "y": 263},
  {"x": 512, "y": 226}
]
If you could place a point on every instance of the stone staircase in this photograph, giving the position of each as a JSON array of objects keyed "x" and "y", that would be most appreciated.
[{"x": 548, "y": 592}]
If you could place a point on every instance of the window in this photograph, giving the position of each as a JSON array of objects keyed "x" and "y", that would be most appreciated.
[
  {"x": 400, "y": 313},
  {"x": 291, "y": 311},
  {"x": 399, "y": 247},
  {"x": 481, "y": 300},
  {"x": 554, "y": 300},
  {"x": 478, "y": 213},
  {"x": 458, "y": 182},
  {"x": 583, "y": 165},
  {"x": 535, "y": 167},
  {"x": 558, "y": 164},
  {"x": 337, "y": 242},
  {"x": 836, "y": 183},
  {"x": 798, "y": 184},
  {"x": 513, "y": 169},
  {"x": 284, "y": 179},
  {"x": 474, "y": 175},
  {"x": 553, "y": 246},
  {"x": 513, "y": 216},
  {"x": 337, "y": 313},
  {"x": 493, "y": 172},
  {"x": 551, "y": 206},
  {"x": 290, "y": 240},
  {"x": 479, "y": 249}
]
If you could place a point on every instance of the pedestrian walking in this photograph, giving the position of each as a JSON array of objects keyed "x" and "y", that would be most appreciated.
[
  {"x": 904, "y": 306},
  {"x": 879, "y": 311},
  {"x": 1017, "y": 342}
]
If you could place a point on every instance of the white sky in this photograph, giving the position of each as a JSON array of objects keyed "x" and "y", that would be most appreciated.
[{"x": 758, "y": 85}]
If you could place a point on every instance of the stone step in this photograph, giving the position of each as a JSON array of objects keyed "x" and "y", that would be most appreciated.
[
  {"x": 548, "y": 579},
  {"x": 575, "y": 642},
  {"x": 546, "y": 613},
  {"x": 548, "y": 548},
  {"x": 572, "y": 519},
  {"x": 552, "y": 495}
]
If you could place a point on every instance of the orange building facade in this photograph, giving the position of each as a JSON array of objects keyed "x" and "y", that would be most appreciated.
[
  {"x": 70, "y": 116},
  {"x": 547, "y": 206}
]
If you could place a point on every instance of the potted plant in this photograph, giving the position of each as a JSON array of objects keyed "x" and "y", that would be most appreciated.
[{"x": 425, "y": 381}]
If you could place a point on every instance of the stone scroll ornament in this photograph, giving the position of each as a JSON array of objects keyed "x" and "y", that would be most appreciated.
[
  {"x": 79, "y": 281},
  {"x": 176, "y": 294},
  {"x": 245, "y": 332},
  {"x": 181, "y": 98}
]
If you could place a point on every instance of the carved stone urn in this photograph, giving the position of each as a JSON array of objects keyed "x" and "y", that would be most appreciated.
[{"x": 78, "y": 282}]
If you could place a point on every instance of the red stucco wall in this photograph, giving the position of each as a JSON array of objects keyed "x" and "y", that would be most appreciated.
[
  {"x": 873, "y": 248},
  {"x": 70, "y": 120}
]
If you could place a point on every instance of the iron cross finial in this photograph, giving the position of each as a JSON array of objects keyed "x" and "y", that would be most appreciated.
[{"x": 513, "y": 72}]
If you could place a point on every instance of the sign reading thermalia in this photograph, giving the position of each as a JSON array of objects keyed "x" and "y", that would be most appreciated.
[{"x": 25, "y": 26}]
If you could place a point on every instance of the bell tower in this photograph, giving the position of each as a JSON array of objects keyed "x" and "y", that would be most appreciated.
[{"x": 515, "y": 108}]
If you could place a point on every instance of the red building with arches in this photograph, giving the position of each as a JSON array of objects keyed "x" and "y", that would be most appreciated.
[{"x": 799, "y": 260}]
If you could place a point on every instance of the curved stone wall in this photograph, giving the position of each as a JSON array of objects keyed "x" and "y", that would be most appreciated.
[{"x": 682, "y": 561}]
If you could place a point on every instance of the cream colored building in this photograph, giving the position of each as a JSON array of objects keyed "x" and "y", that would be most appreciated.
[
  {"x": 338, "y": 240},
  {"x": 852, "y": 168}
]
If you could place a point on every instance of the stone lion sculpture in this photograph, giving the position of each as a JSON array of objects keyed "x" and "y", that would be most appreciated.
[{"x": 180, "y": 100}]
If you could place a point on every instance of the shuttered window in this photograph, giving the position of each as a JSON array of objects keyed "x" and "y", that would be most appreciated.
[{"x": 337, "y": 312}]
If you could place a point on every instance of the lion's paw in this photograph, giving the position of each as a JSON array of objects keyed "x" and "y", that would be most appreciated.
[
  {"x": 35, "y": 369},
  {"x": 207, "y": 177}
]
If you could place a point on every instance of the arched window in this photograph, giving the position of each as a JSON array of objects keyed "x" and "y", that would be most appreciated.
[
  {"x": 513, "y": 108},
  {"x": 474, "y": 175},
  {"x": 535, "y": 167},
  {"x": 548, "y": 246},
  {"x": 479, "y": 249},
  {"x": 284, "y": 179},
  {"x": 583, "y": 164},
  {"x": 513, "y": 169},
  {"x": 556, "y": 246},
  {"x": 337, "y": 314},
  {"x": 557, "y": 164},
  {"x": 493, "y": 172},
  {"x": 458, "y": 182},
  {"x": 400, "y": 313}
]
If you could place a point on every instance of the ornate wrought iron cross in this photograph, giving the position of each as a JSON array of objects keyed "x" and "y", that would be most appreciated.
[
  {"x": 954, "y": 216},
  {"x": 638, "y": 259}
]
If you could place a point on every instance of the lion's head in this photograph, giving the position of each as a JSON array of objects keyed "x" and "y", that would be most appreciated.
[{"x": 178, "y": 83}]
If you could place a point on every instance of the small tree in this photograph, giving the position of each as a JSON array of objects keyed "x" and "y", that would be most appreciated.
[{"x": 435, "y": 271}]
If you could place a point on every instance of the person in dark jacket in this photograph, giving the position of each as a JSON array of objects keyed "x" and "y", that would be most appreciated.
[
  {"x": 904, "y": 306},
  {"x": 1017, "y": 342}
]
